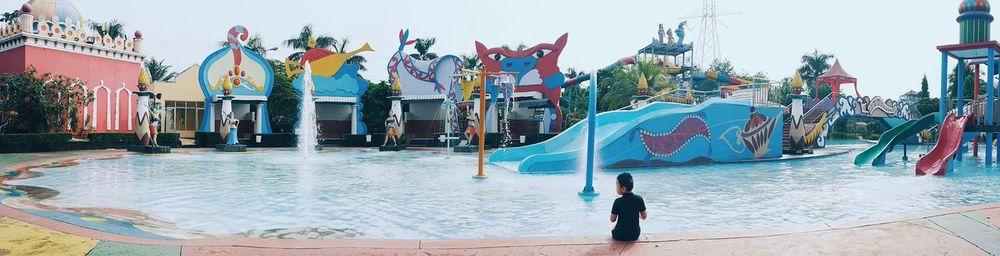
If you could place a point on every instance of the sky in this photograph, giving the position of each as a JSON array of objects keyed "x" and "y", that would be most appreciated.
[{"x": 887, "y": 44}]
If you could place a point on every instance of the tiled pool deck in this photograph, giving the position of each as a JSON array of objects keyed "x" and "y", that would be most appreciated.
[{"x": 960, "y": 231}]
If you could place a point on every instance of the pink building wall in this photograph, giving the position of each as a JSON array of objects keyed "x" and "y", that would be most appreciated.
[{"x": 113, "y": 98}]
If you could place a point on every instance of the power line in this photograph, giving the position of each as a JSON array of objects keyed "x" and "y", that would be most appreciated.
[{"x": 708, "y": 35}]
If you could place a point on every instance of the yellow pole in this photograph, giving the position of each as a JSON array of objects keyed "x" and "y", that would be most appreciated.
[{"x": 482, "y": 120}]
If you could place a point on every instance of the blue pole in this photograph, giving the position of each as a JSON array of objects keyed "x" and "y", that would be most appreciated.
[
  {"x": 961, "y": 88},
  {"x": 990, "y": 68},
  {"x": 960, "y": 105},
  {"x": 588, "y": 189},
  {"x": 943, "y": 103}
]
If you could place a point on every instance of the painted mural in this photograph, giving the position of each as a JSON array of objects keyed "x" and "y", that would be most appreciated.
[
  {"x": 538, "y": 71},
  {"x": 235, "y": 70},
  {"x": 716, "y": 131},
  {"x": 333, "y": 76}
]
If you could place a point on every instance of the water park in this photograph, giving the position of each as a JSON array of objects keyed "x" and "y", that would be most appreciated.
[{"x": 502, "y": 152}]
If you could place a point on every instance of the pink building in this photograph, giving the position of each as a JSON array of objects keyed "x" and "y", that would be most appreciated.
[{"x": 51, "y": 36}]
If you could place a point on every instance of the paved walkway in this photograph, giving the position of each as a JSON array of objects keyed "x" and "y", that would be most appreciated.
[
  {"x": 964, "y": 231},
  {"x": 961, "y": 231}
]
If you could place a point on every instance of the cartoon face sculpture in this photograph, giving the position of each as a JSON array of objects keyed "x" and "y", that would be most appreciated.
[
  {"x": 537, "y": 70},
  {"x": 536, "y": 66}
]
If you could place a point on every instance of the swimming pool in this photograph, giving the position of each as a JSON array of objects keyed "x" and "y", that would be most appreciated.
[{"x": 431, "y": 195}]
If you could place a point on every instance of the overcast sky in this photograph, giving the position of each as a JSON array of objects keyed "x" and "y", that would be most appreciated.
[{"x": 887, "y": 44}]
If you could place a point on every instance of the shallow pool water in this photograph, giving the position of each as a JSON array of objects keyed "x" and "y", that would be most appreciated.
[{"x": 430, "y": 195}]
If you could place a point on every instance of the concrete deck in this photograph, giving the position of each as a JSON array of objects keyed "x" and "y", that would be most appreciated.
[{"x": 960, "y": 231}]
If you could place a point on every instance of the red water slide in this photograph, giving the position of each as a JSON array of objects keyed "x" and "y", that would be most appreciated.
[{"x": 936, "y": 162}]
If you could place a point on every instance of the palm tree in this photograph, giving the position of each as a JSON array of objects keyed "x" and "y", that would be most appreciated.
[
  {"x": 159, "y": 71},
  {"x": 471, "y": 62},
  {"x": 423, "y": 47},
  {"x": 573, "y": 100},
  {"x": 10, "y": 17},
  {"x": 813, "y": 66},
  {"x": 255, "y": 44},
  {"x": 617, "y": 90},
  {"x": 356, "y": 59},
  {"x": 307, "y": 40},
  {"x": 112, "y": 28}
]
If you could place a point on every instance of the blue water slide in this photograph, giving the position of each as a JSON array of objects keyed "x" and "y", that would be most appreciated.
[
  {"x": 661, "y": 134},
  {"x": 559, "y": 153}
]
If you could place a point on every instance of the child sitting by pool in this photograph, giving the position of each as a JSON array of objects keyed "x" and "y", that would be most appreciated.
[{"x": 627, "y": 211}]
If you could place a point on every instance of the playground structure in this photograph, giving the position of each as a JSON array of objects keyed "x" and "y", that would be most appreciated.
[
  {"x": 235, "y": 74},
  {"x": 966, "y": 122}
]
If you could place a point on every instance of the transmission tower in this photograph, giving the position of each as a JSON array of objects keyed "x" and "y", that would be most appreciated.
[{"x": 708, "y": 32}]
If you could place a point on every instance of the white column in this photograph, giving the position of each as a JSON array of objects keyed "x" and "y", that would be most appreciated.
[
  {"x": 211, "y": 118},
  {"x": 491, "y": 119},
  {"x": 354, "y": 118},
  {"x": 259, "y": 123}
]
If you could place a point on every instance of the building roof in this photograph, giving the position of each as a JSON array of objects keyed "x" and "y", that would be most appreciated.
[
  {"x": 64, "y": 9},
  {"x": 974, "y": 5},
  {"x": 336, "y": 99},
  {"x": 835, "y": 72},
  {"x": 258, "y": 98}
]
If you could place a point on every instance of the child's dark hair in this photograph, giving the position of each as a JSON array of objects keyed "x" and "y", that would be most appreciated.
[{"x": 625, "y": 180}]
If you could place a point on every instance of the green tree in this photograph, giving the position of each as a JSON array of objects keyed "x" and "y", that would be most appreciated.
[
  {"x": 305, "y": 38},
  {"x": 341, "y": 47},
  {"x": 113, "y": 28},
  {"x": 574, "y": 100},
  {"x": 782, "y": 92},
  {"x": 36, "y": 103},
  {"x": 924, "y": 89},
  {"x": 967, "y": 88},
  {"x": 283, "y": 103},
  {"x": 814, "y": 65},
  {"x": 376, "y": 106},
  {"x": 721, "y": 67},
  {"x": 255, "y": 44},
  {"x": 928, "y": 105},
  {"x": 10, "y": 17},
  {"x": 471, "y": 62},
  {"x": 423, "y": 47},
  {"x": 616, "y": 90},
  {"x": 159, "y": 71}
]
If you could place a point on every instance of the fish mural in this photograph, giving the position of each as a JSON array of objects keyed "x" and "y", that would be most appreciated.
[
  {"x": 668, "y": 143},
  {"x": 718, "y": 130}
]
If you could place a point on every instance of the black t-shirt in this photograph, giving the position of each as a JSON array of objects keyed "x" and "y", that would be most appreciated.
[{"x": 627, "y": 208}]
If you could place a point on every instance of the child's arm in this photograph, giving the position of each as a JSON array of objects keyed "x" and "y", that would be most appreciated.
[
  {"x": 642, "y": 215},
  {"x": 614, "y": 217}
]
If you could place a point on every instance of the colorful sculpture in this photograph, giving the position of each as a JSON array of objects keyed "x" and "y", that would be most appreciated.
[
  {"x": 332, "y": 76},
  {"x": 142, "y": 115},
  {"x": 146, "y": 116},
  {"x": 680, "y": 32},
  {"x": 231, "y": 72},
  {"x": 537, "y": 71},
  {"x": 422, "y": 77},
  {"x": 796, "y": 133},
  {"x": 391, "y": 130},
  {"x": 472, "y": 124}
]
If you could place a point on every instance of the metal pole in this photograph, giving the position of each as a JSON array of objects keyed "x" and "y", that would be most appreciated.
[
  {"x": 990, "y": 68},
  {"x": 960, "y": 89},
  {"x": 482, "y": 122},
  {"x": 588, "y": 189},
  {"x": 943, "y": 103}
]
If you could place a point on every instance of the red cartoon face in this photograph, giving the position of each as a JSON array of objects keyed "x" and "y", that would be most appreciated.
[{"x": 536, "y": 66}]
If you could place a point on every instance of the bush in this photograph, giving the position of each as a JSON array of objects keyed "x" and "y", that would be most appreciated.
[
  {"x": 113, "y": 138},
  {"x": 34, "y": 138},
  {"x": 207, "y": 139},
  {"x": 275, "y": 140},
  {"x": 169, "y": 139}
]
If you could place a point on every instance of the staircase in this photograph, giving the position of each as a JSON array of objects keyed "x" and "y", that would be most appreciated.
[{"x": 810, "y": 117}]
